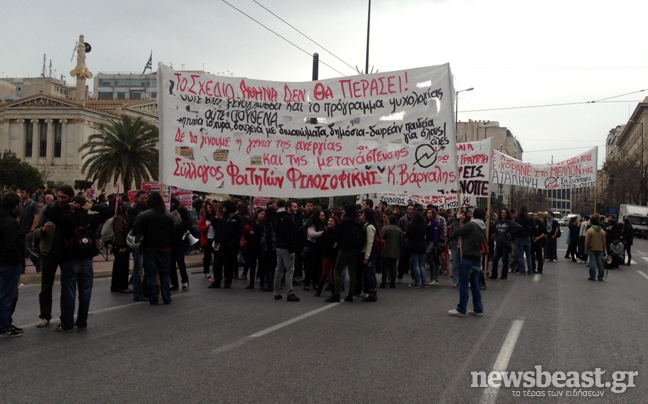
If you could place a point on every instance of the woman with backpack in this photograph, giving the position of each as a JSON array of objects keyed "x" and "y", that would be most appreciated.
[{"x": 369, "y": 253}]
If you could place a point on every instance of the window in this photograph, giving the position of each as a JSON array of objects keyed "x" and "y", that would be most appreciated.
[
  {"x": 57, "y": 89},
  {"x": 58, "y": 139},
  {"x": 121, "y": 96},
  {"x": 105, "y": 95},
  {"x": 154, "y": 95},
  {"x": 135, "y": 96},
  {"x": 42, "y": 137},
  {"x": 29, "y": 138},
  {"x": 105, "y": 83}
]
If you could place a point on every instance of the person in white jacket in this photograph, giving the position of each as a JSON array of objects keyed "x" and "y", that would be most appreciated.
[{"x": 368, "y": 219}]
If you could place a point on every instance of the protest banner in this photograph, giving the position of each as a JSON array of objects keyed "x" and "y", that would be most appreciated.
[
  {"x": 576, "y": 172},
  {"x": 474, "y": 163},
  {"x": 331, "y": 137}
]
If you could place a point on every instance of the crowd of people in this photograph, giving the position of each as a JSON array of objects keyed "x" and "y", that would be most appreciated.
[{"x": 281, "y": 247}]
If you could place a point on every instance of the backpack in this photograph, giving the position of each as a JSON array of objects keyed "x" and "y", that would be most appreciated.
[
  {"x": 107, "y": 231},
  {"x": 357, "y": 237},
  {"x": 378, "y": 244},
  {"x": 82, "y": 244}
]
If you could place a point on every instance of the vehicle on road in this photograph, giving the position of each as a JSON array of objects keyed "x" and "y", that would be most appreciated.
[{"x": 638, "y": 217}]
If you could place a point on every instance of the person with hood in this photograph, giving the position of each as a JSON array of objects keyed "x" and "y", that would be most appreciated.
[
  {"x": 473, "y": 238},
  {"x": 595, "y": 247},
  {"x": 504, "y": 226}
]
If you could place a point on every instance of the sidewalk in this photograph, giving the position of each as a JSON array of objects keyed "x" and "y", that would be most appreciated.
[{"x": 102, "y": 268}]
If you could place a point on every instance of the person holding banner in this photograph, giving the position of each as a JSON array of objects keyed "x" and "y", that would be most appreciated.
[
  {"x": 473, "y": 236},
  {"x": 504, "y": 226}
]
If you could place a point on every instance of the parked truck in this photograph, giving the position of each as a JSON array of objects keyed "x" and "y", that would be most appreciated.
[{"x": 638, "y": 217}]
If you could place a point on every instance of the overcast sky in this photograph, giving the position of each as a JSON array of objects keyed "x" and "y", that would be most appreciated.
[{"x": 514, "y": 53}]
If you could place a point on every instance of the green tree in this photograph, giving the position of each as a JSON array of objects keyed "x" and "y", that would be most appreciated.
[
  {"x": 15, "y": 172},
  {"x": 125, "y": 150}
]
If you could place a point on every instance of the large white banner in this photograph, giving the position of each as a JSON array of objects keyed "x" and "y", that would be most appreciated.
[
  {"x": 342, "y": 136},
  {"x": 576, "y": 172}
]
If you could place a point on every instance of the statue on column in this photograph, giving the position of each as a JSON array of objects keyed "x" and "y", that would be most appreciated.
[{"x": 81, "y": 70}]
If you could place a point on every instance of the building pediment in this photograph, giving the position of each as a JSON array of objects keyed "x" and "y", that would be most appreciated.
[
  {"x": 148, "y": 106},
  {"x": 41, "y": 101}
]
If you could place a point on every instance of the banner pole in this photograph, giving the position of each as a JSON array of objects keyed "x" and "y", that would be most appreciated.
[{"x": 488, "y": 213}]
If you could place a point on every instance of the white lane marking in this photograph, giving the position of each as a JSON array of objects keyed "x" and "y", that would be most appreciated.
[
  {"x": 537, "y": 277},
  {"x": 268, "y": 330},
  {"x": 646, "y": 258},
  {"x": 642, "y": 274},
  {"x": 640, "y": 252},
  {"x": 490, "y": 394}
]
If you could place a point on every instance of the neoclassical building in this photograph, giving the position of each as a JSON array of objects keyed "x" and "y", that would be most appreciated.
[{"x": 47, "y": 131}]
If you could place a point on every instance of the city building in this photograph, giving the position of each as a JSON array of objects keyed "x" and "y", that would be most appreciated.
[
  {"x": 125, "y": 86},
  {"x": 503, "y": 141},
  {"x": 19, "y": 87}
]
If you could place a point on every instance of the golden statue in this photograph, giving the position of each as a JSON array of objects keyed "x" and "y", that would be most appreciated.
[{"x": 81, "y": 70}]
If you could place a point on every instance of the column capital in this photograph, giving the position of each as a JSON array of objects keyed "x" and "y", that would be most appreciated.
[
  {"x": 63, "y": 120},
  {"x": 48, "y": 121},
  {"x": 19, "y": 121},
  {"x": 34, "y": 120}
]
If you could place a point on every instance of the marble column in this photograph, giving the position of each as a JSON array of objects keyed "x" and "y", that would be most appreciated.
[
  {"x": 64, "y": 137},
  {"x": 49, "y": 152},
  {"x": 20, "y": 149},
  {"x": 35, "y": 139}
]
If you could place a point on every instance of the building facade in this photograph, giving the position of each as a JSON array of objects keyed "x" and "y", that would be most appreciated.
[{"x": 47, "y": 131}]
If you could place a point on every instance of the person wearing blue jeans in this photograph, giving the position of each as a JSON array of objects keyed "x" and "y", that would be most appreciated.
[
  {"x": 158, "y": 262},
  {"x": 9, "y": 280},
  {"x": 10, "y": 264},
  {"x": 418, "y": 269},
  {"x": 595, "y": 248},
  {"x": 523, "y": 241},
  {"x": 473, "y": 236},
  {"x": 75, "y": 272},
  {"x": 469, "y": 272},
  {"x": 141, "y": 205},
  {"x": 76, "y": 258},
  {"x": 157, "y": 229},
  {"x": 138, "y": 263}
]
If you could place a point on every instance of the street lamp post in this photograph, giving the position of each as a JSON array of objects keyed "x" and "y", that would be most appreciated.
[
  {"x": 457, "y": 109},
  {"x": 643, "y": 169}
]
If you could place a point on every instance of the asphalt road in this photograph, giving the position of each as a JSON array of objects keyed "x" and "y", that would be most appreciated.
[{"x": 237, "y": 345}]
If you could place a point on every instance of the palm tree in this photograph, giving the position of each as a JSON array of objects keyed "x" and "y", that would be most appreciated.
[{"x": 125, "y": 150}]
